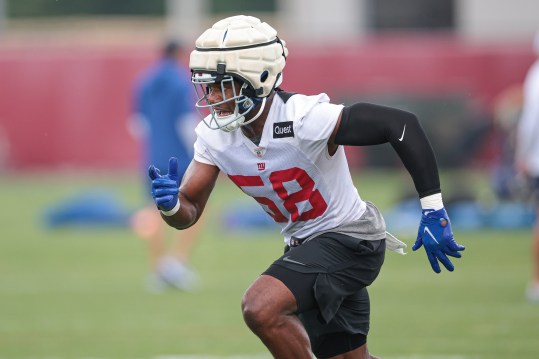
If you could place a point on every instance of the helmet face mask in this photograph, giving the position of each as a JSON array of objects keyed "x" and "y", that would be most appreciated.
[
  {"x": 232, "y": 90},
  {"x": 243, "y": 54}
]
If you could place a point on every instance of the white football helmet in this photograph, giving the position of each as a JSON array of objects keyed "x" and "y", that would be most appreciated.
[{"x": 239, "y": 49}]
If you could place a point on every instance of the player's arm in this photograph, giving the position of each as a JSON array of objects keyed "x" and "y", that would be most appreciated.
[
  {"x": 182, "y": 205},
  {"x": 366, "y": 124}
]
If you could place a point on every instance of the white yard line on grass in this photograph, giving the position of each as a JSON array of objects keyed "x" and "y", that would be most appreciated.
[
  {"x": 253, "y": 356},
  {"x": 265, "y": 356}
]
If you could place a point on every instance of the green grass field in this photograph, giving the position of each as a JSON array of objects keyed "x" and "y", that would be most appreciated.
[{"x": 74, "y": 293}]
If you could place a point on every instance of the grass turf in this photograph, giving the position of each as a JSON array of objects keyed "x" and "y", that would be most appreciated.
[{"x": 79, "y": 293}]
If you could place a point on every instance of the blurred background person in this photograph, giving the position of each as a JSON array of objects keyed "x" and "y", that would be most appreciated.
[
  {"x": 506, "y": 184},
  {"x": 163, "y": 120},
  {"x": 527, "y": 156}
]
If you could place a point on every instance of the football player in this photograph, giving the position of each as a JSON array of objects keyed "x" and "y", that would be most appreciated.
[{"x": 286, "y": 151}]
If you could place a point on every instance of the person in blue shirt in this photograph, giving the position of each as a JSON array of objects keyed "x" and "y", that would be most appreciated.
[{"x": 164, "y": 122}]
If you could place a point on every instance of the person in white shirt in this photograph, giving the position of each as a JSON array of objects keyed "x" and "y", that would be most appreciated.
[
  {"x": 286, "y": 151},
  {"x": 527, "y": 156}
]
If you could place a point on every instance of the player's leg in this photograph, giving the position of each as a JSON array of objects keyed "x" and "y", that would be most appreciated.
[
  {"x": 269, "y": 309},
  {"x": 339, "y": 328},
  {"x": 271, "y": 313},
  {"x": 289, "y": 336},
  {"x": 334, "y": 341}
]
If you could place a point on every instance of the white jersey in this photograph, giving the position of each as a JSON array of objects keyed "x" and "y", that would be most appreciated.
[
  {"x": 290, "y": 173},
  {"x": 528, "y": 126}
]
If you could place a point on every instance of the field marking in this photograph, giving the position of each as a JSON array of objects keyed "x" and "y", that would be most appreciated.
[
  {"x": 251, "y": 356},
  {"x": 265, "y": 356}
]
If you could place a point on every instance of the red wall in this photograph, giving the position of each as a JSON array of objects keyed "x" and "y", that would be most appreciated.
[
  {"x": 69, "y": 106},
  {"x": 418, "y": 65}
]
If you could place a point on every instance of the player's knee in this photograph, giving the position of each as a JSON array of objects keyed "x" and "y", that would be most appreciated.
[
  {"x": 266, "y": 304},
  {"x": 258, "y": 312},
  {"x": 255, "y": 314}
]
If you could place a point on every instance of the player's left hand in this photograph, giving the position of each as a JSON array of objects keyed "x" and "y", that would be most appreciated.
[{"x": 436, "y": 236}]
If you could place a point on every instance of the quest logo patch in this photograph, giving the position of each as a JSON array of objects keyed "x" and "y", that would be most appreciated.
[{"x": 283, "y": 129}]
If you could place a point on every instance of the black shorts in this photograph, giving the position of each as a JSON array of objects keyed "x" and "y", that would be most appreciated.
[{"x": 328, "y": 276}]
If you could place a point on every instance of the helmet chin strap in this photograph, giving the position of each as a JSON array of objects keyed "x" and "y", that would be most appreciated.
[{"x": 263, "y": 105}]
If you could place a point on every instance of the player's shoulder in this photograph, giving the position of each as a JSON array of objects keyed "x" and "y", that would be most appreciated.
[
  {"x": 294, "y": 106},
  {"x": 284, "y": 95},
  {"x": 294, "y": 99},
  {"x": 313, "y": 116},
  {"x": 214, "y": 138}
]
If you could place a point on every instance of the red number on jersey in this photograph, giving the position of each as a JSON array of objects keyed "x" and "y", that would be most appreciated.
[
  {"x": 290, "y": 200},
  {"x": 246, "y": 181},
  {"x": 319, "y": 206}
]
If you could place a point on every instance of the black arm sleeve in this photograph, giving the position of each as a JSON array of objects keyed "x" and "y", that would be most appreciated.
[{"x": 365, "y": 124}]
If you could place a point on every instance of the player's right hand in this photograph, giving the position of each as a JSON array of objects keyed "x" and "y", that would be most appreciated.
[{"x": 165, "y": 188}]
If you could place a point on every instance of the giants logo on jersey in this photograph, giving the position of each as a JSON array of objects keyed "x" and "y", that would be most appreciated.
[
  {"x": 283, "y": 129},
  {"x": 261, "y": 166}
]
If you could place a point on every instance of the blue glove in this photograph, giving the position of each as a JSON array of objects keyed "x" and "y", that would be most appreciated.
[
  {"x": 436, "y": 236},
  {"x": 165, "y": 188}
]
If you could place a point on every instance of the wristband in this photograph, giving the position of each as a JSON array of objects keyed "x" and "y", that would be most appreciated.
[
  {"x": 173, "y": 210},
  {"x": 434, "y": 201}
]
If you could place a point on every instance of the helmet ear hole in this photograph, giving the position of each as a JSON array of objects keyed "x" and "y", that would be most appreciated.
[{"x": 264, "y": 76}]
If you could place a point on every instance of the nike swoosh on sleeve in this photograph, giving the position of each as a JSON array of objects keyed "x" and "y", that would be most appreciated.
[{"x": 402, "y": 136}]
